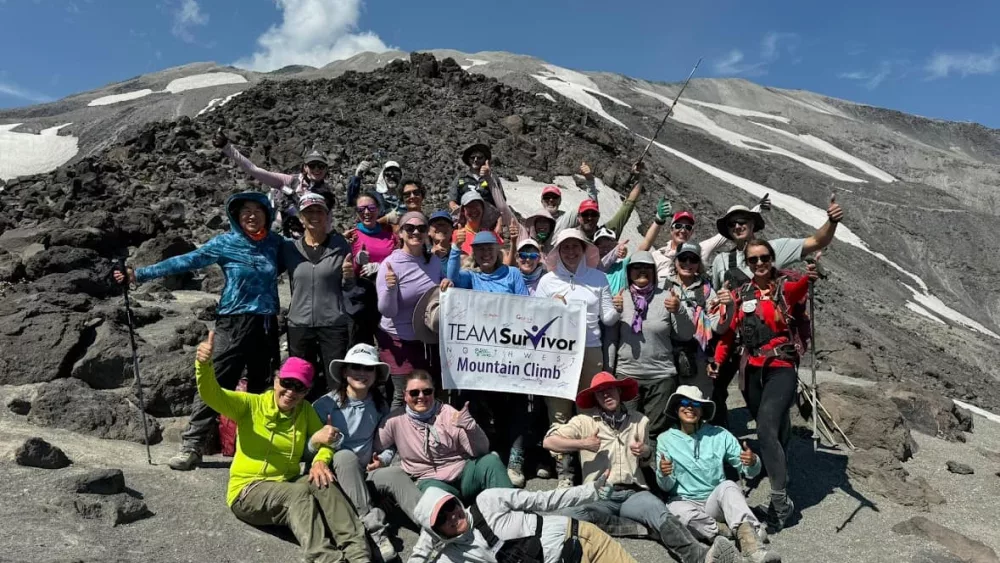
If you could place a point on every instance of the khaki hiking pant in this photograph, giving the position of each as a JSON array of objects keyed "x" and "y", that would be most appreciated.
[
  {"x": 598, "y": 547},
  {"x": 303, "y": 507}
]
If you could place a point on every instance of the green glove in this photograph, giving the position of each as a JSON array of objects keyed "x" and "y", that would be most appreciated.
[{"x": 663, "y": 209}]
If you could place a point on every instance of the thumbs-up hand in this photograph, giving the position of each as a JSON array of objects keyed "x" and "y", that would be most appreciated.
[
  {"x": 672, "y": 303},
  {"x": 326, "y": 436},
  {"x": 618, "y": 301},
  {"x": 663, "y": 209},
  {"x": 726, "y": 295},
  {"x": 666, "y": 466},
  {"x": 204, "y": 352},
  {"x": 219, "y": 139},
  {"x": 585, "y": 170},
  {"x": 591, "y": 443},
  {"x": 348, "y": 268},
  {"x": 638, "y": 448},
  {"x": 461, "y": 236},
  {"x": 834, "y": 213},
  {"x": 375, "y": 464},
  {"x": 747, "y": 457},
  {"x": 765, "y": 202},
  {"x": 622, "y": 250},
  {"x": 712, "y": 369},
  {"x": 601, "y": 485},
  {"x": 484, "y": 170},
  {"x": 462, "y": 418},
  {"x": 390, "y": 276},
  {"x": 812, "y": 270}
]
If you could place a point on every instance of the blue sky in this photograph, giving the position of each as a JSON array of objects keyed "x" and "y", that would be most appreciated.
[{"x": 929, "y": 58}]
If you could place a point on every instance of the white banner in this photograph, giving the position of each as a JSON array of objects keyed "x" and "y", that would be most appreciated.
[{"x": 510, "y": 343}]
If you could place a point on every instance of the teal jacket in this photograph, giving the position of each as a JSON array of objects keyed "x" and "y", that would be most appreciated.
[{"x": 698, "y": 460}]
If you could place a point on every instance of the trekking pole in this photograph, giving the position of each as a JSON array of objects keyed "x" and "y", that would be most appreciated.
[
  {"x": 663, "y": 122},
  {"x": 135, "y": 360},
  {"x": 812, "y": 333}
]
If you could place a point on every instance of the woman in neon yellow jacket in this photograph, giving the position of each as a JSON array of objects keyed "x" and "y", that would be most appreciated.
[{"x": 266, "y": 486}]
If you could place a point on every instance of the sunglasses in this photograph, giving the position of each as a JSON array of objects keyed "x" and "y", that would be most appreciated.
[
  {"x": 476, "y": 157},
  {"x": 413, "y": 193},
  {"x": 426, "y": 392},
  {"x": 738, "y": 223},
  {"x": 528, "y": 255},
  {"x": 682, "y": 227},
  {"x": 360, "y": 367},
  {"x": 410, "y": 229},
  {"x": 551, "y": 197},
  {"x": 372, "y": 208},
  {"x": 293, "y": 385},
  {"x": 689, "y": 259},
  {"x": 689, "y": 403},
  {"x": 317, "y": 165},
  {"x": 754, "y": 260},
  {"x": 590, "y": 215}
]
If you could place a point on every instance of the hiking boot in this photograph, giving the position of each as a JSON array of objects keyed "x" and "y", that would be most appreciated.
[
  {"x": 725, "y": 531},
  {"x": 543, "y": 473},
  {"x": 722, "y": 551},
  {"x": 565, "y": 483},
  {"x": 752, "y": 545},
  {"x": 514, "y": 472},
  {"x": 779, "y": 511},
  {"x": 184, "y": 461},
  {"x": 385, "y": 548}
]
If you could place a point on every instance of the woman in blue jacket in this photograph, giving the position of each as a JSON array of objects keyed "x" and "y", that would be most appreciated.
[{"x": 246, "y": 329}]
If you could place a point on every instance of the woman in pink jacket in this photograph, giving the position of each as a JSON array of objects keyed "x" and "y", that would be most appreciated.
[{"x": 440, "y": 446}]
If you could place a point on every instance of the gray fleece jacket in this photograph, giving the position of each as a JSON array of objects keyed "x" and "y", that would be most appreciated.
[{"x": 319, "y": 295}]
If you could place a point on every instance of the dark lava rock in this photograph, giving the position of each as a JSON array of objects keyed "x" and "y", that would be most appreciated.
[
  {"x": 115, "y": 510},
  {"x": 885, "y": 475},
  {"x": 159, "y": 249},
  {"x": 59, "y": 260},
  {"x": 19, "y": 406},
  {"x": 168, "y": 385},
  {"x": 36, "y": 452},
  {"x": 107, "y": 363},
  {"x": 959, "y": 468},
  {"x": 870, "y": 419},
  {"x": 204, "y": 309},
  {"x": 40, "y": 341},
  {"x": 931, "y": 413},
  {"x": 962, "y": 546},
  {"x": 96, "y": 482},
  {"x": 71, "y": 405}
]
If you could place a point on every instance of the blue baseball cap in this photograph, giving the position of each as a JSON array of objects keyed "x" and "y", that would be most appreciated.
[
  {"x": 485, "y": 237},
  {"x": 444, "y": 215}
]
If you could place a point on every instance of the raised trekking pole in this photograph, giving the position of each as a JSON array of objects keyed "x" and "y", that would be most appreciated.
[
  {"x": 812, "y": 332},
  {"x": 663, "y": 122},
  {"x": 135, "y": 359}
]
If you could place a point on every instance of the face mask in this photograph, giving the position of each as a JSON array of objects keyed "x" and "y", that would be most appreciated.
[{"x": 542, "y": 237}]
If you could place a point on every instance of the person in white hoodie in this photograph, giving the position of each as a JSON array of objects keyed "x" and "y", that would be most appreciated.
[
  {"x": 573, "y": 275},
  {"x": 506, "y": 525}
]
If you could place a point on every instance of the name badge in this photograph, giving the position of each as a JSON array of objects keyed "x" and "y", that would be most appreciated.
[{"x": 750, "y": 306}]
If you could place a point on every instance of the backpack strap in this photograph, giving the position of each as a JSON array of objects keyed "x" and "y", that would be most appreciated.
[
  {"x": 484, "y": 528},
  {"x": 732, "y": 259}
]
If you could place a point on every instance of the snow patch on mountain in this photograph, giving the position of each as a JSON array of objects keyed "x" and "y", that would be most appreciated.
[
  {"x": 740, "y": 112},
  {"x": 579, "y": 88},
  {"x": 204, "y": 81},
  {"x": 116, "y": 98},
  {"x": 474, "y": 62},
  {"x": 833, "y": 151},
  {"x": 23, "y": 154},
  {"x": 923, "y": 312},
  {"x": 546, "y": 95},
  {"x": 216, "y": 103},
  {"x": 54, "y": 130},
  {"x": 690, "y": 116}
]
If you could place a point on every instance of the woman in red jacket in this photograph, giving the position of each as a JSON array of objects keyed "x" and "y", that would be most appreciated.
[{"x": 768, "y": 362}]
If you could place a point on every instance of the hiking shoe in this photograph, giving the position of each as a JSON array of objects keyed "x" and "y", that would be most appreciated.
[
  {"x": 779, "y": 511},
  {"x": 184, "y": 461},
  {"x": 725, "y": 531},
  {"x": 516, "y": 477},
  {"x": 514, "y": 468},
  {"x": 752, "y": 547},
  {"x": 565, "y": 483},
  {"x": 543, "y": 473},
  {"x": 722, "y": 551},
  {"x": 385, "y": 548}
]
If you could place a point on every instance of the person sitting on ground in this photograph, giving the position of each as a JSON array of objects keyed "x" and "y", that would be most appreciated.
[
  {"x": 642, "y": 348},
  {"x": 768, "y": 357},
  {"x": 512, "y": 525},
  {"x": 440, "y": 446},
  {"x": 740, "y": 225},
  {"x": 353, "y": 412},
  {"x": 479, "y": 178},
  {"x": 247, "y": 312},
  {"x": 266, "y": 487},
  {"x": 614, "y": 440},
  {"x": 573, "y": 276},
  {"x": 690, "y": 456},
  {"x": 472, "y": 221},
  {"x": 403, "y": 278},
  {"x": 286, "y": 189},
  {"x": 440, "y": 229},
  {"x": 385, "y": 190},
  {"x": 321, "y": 278},
  {"x": 711, "y": 314}
]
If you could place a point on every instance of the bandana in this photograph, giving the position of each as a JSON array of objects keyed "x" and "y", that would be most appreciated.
[
  {"x": 431, "y": 436},
  {"x": 640, "y": 298},
  {"x": 372, "y": 231},
  {"x": 533, "y": 276},
  {"x": 542, "y": 237},
  {"x": 258, "y": 236},
  {"x": 615, "y": 419}
]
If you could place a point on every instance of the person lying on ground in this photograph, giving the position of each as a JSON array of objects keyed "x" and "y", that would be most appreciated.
[
  {"x": 353, "y": 412},
  {"x": 512, "y": 525},
  {"x": 266, "y": 487},
  {"x": 440, "y": 446},
  {"x": 643, "y": 341},
  {"x": 324, "y": 292},
  {"x": 768, "y": 356},
  {"x": 286, "y": 189},
  {"x": 247, "y": 324},
  {"x": 479, "y": 178},
  {"x": 385, "y": 191},
  {"x": 613, "y": 440},
  {"x": 690, "y": 456},
  {"x": 403, "y": 278},
  {"x": 573, "y": 276}
]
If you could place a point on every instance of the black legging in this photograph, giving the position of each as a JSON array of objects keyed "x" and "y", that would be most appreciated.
[{"x": 769, "y": 394}]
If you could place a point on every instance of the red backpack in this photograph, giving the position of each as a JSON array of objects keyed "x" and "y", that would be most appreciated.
[{"x": 227, "y": 428}]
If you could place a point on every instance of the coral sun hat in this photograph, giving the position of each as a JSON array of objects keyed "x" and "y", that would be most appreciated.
[{"x": 604, "y": 380}]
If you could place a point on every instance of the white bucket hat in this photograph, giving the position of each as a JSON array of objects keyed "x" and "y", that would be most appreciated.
[
  {"x": 591, "y": 255},
  {"x": 360, "y": 354},
  {"x": 692, "y": 393},
  {"x": 722, "y": 224}
]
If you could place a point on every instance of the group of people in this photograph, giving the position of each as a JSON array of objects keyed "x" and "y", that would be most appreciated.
[{"x": 642, "y": 451}]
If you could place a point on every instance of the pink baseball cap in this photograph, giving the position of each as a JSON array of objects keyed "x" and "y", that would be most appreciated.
[
  {"x": 684, "y": 215},
  {"x": 588, "y": 205},
  {"x": 298, "y": 369},
  {"x": 551, "y": 190}
]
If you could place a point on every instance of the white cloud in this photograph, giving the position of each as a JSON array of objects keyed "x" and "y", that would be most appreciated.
[
  {"x": 733, "y": 63},
  {"x": 874, "y": 78},
  {"x": 312, "y": 32},
  {"x": 963, "y": 63},
  {"x": 8, "y": 89},
  {"x": 770, "y": 45},
  {"x": 187, "y": 15}
]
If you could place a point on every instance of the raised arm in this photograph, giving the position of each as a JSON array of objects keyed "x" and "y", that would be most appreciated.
[
  {"x": 824, "y": 235},
  {"x": 461, "y": 278},
  {"x": 233, "y": 404},
  {"x": 471, "y": 438},
  {"x": 273, "y": 179},
  {"x": 202, "y": 257},
  {"x": 617, "y": 222}
]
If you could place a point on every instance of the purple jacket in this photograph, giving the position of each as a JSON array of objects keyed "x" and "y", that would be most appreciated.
[{"x": 415, "y": 277}]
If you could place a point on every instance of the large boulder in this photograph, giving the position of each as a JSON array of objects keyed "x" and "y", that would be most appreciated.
[
  {"x": 71, "y": 405},
  {"x": 107, "y": 363},
  {"x": 883, "y": 474},
  {"x": 11, "y": 267},
  {"x": 930, "y": 413},
  {"x": 870, "y": 419},
  {"x": 159, "y": 249},
  {"x": 168, "y": 385},
  {"x": 24, "y": 242},
  {"x": 59, "y": 260},
  {"x": 40, "y": 341},
  {"x": 36, "y": 452},
  {"x": 87, "y": 282}
]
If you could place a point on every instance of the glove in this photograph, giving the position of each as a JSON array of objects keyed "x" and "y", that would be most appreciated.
[
  {"x": 369, "y": 269},
  {"x": 765, "y": 202},
  {"x": 219, "y": 139},
  {"x": 663, "y": 209},
  {"x": 365, "y": 166}
]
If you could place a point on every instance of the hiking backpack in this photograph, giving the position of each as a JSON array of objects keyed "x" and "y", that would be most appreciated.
[
  {"x": 754, "y": 332},
  {"x": 686, "y": 352},
  {"x": 521, "y": 550}
]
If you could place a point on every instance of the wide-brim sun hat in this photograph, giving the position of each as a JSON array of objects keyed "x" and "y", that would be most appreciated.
[
  {"x": 426, "y": 316},
  {"x": 722, "y": 224},
  {"x": 604, "y": 380},
  {"x": 592, "y": 255},
  {"x": 360, "y": 354},
  {"x": 691, "y": 393},
  {"x": 481, "y": 147}
]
